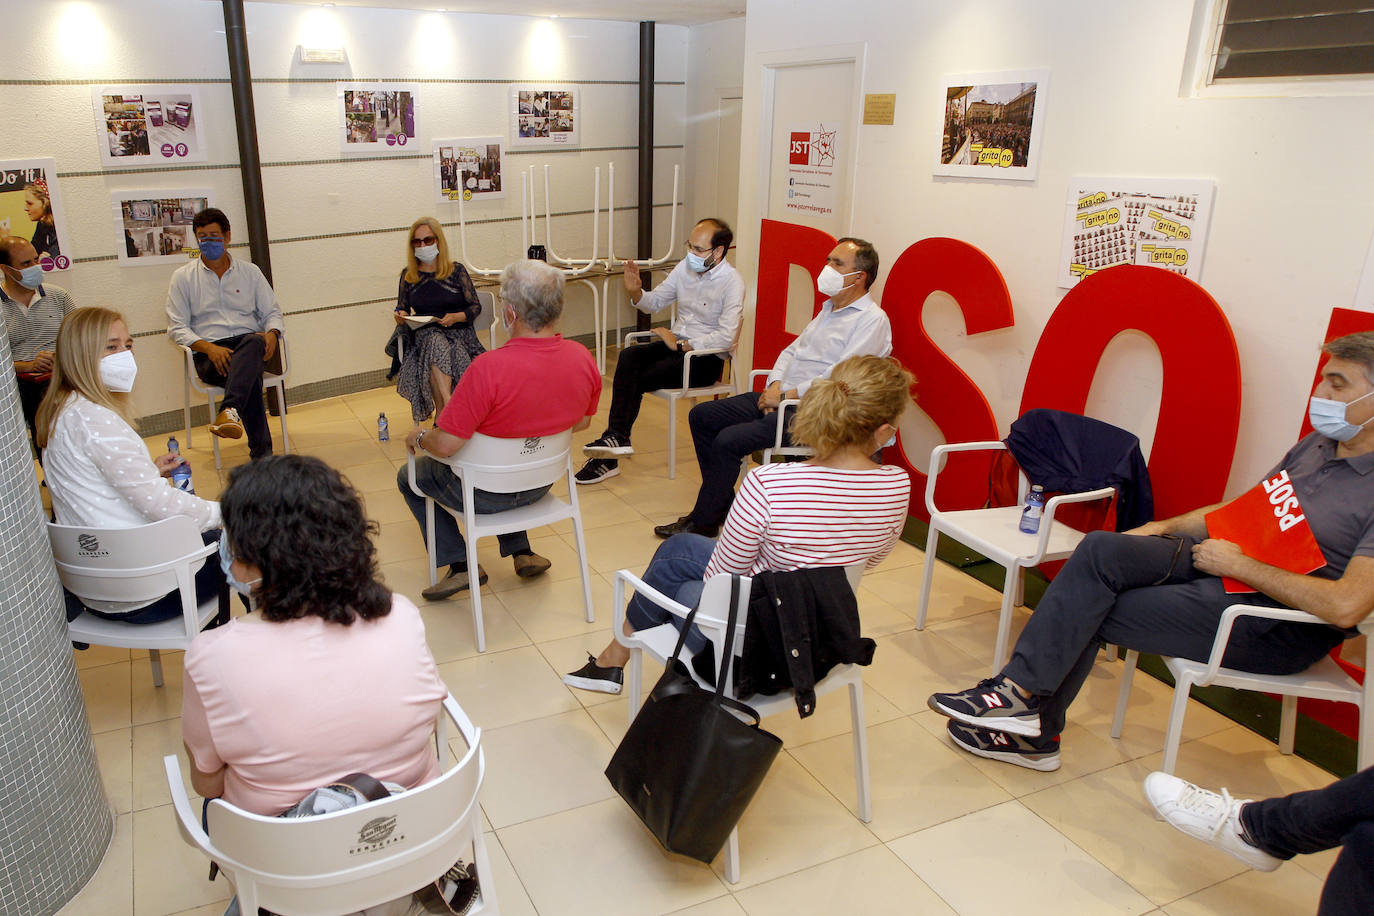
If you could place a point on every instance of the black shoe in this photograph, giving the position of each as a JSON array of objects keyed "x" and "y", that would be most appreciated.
[
  {"x": 592, "y": 676},
  {"x": 597, "y": 470},
  {"x": 991, "y": 704},
  {"x": 685, "y": 525},
  {"x": 1032, "y": 753},
  {"x": 608, "y": 446}
]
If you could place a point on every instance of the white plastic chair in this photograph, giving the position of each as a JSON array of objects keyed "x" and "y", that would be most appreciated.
[
  {"x": 508, "y": 466},
  {"x": 713, "y": 612},
  {"x": 777, "y": 448},
  {"x": 269, "y": 380},
  {"x": 1325, "y": 680},
  {"x": 134, "y": 564},
  {"x": 672, "y": 395},
  {"x": 486, "y": 321},
  {"x": 996, "y": 534},
  {"x": 354, "y": 858}
]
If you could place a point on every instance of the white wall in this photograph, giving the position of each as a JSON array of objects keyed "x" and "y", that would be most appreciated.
[
  {"x": 1293, "y": 212},
  {"x": 715, "y": 62},
  {"x": 309, "y": 192}
]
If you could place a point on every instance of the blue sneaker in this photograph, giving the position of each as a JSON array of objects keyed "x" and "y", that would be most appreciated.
[
  {"x": 992, "y": 704},
  {"x": 1039, "y": 754}
]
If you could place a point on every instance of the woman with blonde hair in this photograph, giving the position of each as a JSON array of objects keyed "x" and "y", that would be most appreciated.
[
  {"x": 838, "y": 508},
  {"x": 435, "y": 287},
  {"x": 38, "y": 208},
  {"x": 96, "y": 466}
]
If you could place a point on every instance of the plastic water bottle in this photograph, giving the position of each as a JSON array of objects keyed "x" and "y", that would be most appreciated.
[
  {"x": 181, "y": 474},
  {"x": 383, "y": 428},
  {"x": 1035, "y": 507}
]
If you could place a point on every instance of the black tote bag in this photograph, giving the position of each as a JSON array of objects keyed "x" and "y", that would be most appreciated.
[{"x": 688, "y": 766}]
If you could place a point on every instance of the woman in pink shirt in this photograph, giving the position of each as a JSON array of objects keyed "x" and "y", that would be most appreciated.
[
  {"x": 332, "y": 676},
  {"x": 839, "y": 508}
]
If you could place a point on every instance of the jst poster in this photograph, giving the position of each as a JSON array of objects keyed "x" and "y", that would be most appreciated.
[
  {"x": 1159, "y": 222},
  {"x": 813, "y": 168},
  {"x": 375, "y": 117},
  {"x": 468, "y": 168},
  {"x": 31, "y": 208},
  {"x": 148, "y": 125},
  {"x": 154, "y": 227},
  {"x": 544, "y": 116},
  {"x": 993, "y": 123}
]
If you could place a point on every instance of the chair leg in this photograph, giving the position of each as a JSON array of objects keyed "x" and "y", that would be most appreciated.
[
  {"x": 214, "y": 440},
  {"x": 732, "y": 857},
  {"x": 582, "y": 569},
  {"x": 155, "y": 660},
  {"x": 486, "y": 881},
  {"x": 672, "y": 438},
  {"x": 999, "y": 654},
  {"x": 429, "y": 541},
  {"x": 1124, "y": 695},
  {"x": 475, "y": 588},
  {"x": 927, "y": 573},
  {"x": 1175, "y": 732},
  {"x": 856, "y": 717},
  {"x": 1288, "y": 722},
  {"x": 634, "y": 680},
  {"x": 186, "y": 409},
  {"x": 281, "y": 405}
]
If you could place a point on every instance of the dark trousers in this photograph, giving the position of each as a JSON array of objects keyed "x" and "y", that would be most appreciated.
[
  {"x": 243, "y": 386},
  {"x": 1342, "y": 815},
  {"x": 30, "y": 396},
  {"x": 209, "y": 581},
  {"x": 649, "y": 367},
  {"x": 1144, "y": 593},
  {"x": 723, "y": 432},
  {"x": 439, "y": 483}
]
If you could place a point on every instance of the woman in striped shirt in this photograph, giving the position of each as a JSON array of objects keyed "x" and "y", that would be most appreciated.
[{"x": 840, "y": 508}]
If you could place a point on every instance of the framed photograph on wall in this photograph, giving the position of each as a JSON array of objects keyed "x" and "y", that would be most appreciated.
[
  {"x": 154, "y": 226},
  {"x": 148, "y": 125},
  {"x": 1158, "y": 222},
  {"x": 375, "y": 117},
  {"x": 469, "y": 168},
  {"x": 993, "y": 123},
  {"x": 31, "y": 208},
  {"x": 544, "y": 116}
]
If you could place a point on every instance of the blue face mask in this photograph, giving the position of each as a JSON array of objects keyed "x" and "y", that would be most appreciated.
[
  {"x": 226, "y": 562},
  {"x": 1328, "y": 418},
  {"x": 211, "y": 249},
  {"x": 697, "y": 264},
  {"x": 31, "y": 277}
]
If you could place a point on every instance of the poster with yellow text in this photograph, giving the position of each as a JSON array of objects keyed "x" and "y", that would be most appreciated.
[{"x": 31, "y": 208}]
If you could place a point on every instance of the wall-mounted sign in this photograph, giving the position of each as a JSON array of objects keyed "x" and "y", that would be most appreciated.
[
  {"x": 375, "y": 117},
  {"x": 31, "y": 208},
  {"x": 154, "y": 226},
  {"x": 149, "y": 125},
  {"x": 469, "y": 168},
  {"x": 544, "y": 116},
  {"x": 993, "y": 124}
]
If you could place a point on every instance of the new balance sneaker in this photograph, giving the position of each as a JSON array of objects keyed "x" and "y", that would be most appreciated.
[
  {"x": 1207, "y": 816},
  {"x": 1033, "y": 754},
  {"x": 993, "y": 704},
  {"x": 227, "y": 424},
  {"x": 608, "y": 446},
  {"x": 592, "y": 676},
  {"x": 597, "y": 470}
]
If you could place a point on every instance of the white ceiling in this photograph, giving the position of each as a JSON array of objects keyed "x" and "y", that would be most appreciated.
[{"x": 673, "y": 12}]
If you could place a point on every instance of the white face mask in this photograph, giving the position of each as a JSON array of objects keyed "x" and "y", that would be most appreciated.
[
  {"x": 117, "y": 371},
  {"x": 426, "y": 253},
  {"x": 1328, "y": 418},
  {"x": 831, "y": 281}
]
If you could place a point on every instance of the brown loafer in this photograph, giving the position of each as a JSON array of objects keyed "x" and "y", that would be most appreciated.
[
  {"x": 227, "y": 425},
  {"x": 452, "y": 584},
  {"x": 527, "y": 566}
]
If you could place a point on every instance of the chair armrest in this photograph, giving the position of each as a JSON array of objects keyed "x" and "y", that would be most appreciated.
[
  {"x": 470, "y": 732},
  {"x": 937, "y": 463},
  {"x": 187, "y": 821},
  {"x": 757, "y": 374},
  {"x": 624, "y": 576},
  {"x": 1047, "y": 520},
  {"x": 781, "y": 427},
  {"x": 638, "y": 337},
  {"x": 1228, "y": 620},
  {"x": 693, "y": 354}
]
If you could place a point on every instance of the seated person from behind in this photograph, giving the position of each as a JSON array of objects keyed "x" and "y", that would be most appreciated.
[
  {"x": 535, "y": 384},
  {"x": 1158, "y": 589},
  {"x": 710, "y": 302},
  {"x": 97, "y": 468},
  {"x": 437, "y": 354},
  {"x": 850, "y": 323},
  {"x": 838, "y": 508},
  {"x": 33, "y": 312},
  {"x": 276, "y": 703},
  {"x": 224, "y": 309}
]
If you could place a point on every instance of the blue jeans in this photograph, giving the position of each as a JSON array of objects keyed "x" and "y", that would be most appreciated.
[
  {"x": 676, "y": 570},
  {"x": 723, "y": 432},
  {"x": 438, "y": 482}
]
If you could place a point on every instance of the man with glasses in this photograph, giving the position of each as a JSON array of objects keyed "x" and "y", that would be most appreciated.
[
  {"x": 224, "y": 310},
  {"x": 710, "y": 302}
]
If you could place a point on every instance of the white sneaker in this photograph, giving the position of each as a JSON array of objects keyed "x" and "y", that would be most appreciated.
[{"x": 1207, "y": 816}]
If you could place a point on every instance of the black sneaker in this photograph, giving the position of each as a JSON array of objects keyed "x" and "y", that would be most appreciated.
[
  {"x": 592, "y": 676},
  {"x": 597, "y": 470},
  {"x": 993, "y": 704},
  {"x": 608, "y": 446},
  {"x": 1033, "y": 754}
]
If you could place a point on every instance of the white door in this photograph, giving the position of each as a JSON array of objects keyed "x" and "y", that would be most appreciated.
[{"x": 729, "y": 105}]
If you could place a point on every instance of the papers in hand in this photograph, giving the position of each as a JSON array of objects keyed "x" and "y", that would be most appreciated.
[
  {"x": 419, "y": 321},
  {"x": 1268, "y": 524}
]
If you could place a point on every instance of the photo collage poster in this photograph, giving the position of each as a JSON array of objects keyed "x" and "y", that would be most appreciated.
[
  {"x": 468, "y": 168},
  {"x": 992, "y": 124},
  {"x": 544, "y": 116},
  {"x": 1158, "y": 222},
  {"x": 154, "y": 226},
  {"x": 148, "y": 125},
  {"x": 31, "y": 208},
  {"x": 375, "y": 117}
]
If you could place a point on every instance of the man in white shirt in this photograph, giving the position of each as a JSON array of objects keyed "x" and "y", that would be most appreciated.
[
  {"x": 710, "y": 302},
  {"x": 225, "y": 311},
  {"x": 850, "y": 323}
]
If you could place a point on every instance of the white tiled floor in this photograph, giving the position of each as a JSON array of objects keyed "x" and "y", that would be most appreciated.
[{"x": 950, "y": 833}]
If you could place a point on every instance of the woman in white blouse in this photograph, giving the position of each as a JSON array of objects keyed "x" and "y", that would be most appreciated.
[{"x": 96, "y": 466}]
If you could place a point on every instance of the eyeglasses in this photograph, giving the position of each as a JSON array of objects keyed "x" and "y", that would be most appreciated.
[
  {"x": 695, "y": 250},
  {"x": 417, "y": 241}
]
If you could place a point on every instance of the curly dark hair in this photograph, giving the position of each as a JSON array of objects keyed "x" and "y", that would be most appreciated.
[{"x": 297, "y": 520}]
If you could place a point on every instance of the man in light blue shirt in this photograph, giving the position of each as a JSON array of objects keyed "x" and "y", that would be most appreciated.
[{"x": 850, "y": 323}]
